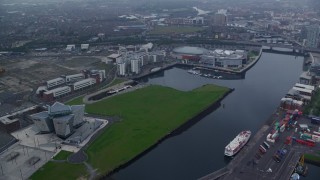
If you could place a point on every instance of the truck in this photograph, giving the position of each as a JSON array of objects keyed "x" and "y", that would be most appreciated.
[{"x": 278, "y": 156}]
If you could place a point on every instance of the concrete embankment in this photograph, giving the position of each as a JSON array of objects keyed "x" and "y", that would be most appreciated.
[{"x": 183, "y": 127}]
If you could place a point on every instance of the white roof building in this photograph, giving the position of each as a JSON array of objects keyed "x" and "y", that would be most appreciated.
[
  {"x": 70, "y": 47},
  {"x": 84, "y": 46}
]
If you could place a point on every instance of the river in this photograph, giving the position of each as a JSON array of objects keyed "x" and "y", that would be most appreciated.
[{"x": 199, "y": 150}]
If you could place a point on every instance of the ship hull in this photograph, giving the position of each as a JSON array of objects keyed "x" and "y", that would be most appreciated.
[{"x": 237, "y": 143}]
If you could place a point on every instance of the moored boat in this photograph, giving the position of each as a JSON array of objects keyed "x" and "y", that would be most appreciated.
[{"x": 237, "y": 143}]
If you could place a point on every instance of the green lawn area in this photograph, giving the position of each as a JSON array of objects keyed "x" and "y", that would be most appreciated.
[
  {"x": 75, "y": 101},
  {"x": 62, "y": 155},
  {"x": 147, "y": 114},
  {"x": 175, "y": 29},
  {"x": 61, "y": 171}
]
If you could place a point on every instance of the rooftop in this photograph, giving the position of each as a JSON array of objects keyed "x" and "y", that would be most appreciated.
[{"x": 58, "y": 108}]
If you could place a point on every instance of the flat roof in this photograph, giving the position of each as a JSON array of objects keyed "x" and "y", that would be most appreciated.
[
  {"x": 54, "y": 80},
  {"x": 299, "y": 85},
  {"x": 189, "y": 50},
  {"x": 303, "y": 90},
  {"x": 57, "y": 89}
]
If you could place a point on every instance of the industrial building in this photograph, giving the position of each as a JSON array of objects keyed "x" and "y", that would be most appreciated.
[
  {"x": 60, "y": 118},
  {"x": 301, "y": 92},
  {"x": 224, "y": 58}
]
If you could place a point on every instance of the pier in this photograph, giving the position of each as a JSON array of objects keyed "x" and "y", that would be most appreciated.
[{"x": 246, "y": 166}]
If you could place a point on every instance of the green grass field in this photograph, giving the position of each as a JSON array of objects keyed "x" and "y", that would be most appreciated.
[
  {"x": 62, "y": 155},
  {"x": 175, "y": 29},
  {"x": 61, "y": 171},
  {"x": 148, "y": 114}
]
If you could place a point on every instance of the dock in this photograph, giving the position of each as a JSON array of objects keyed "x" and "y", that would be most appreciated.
[{"x": 245, "y": 165}]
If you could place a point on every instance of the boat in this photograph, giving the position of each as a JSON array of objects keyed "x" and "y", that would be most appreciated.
[{"x": 237, "y": 143}]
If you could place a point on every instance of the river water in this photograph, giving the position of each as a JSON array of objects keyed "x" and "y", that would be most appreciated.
[{"x": 199, "y": 149}]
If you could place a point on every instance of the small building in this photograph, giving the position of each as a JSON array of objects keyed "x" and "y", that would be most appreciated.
[
  {"x": 306, "y": 78},
  {"x": 113, "y": 58},
  {"x": 9, "y": 124},
  {"x": 84, "y": 47},
  {"x": 71, "y": 47},
  {"x": 43, "y": 122}
]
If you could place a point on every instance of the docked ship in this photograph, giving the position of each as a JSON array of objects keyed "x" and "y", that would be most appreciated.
[{"x": 237, "y": 143}]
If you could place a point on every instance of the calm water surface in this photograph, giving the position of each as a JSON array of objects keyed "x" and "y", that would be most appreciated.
[{"x": 199, "y": 150}]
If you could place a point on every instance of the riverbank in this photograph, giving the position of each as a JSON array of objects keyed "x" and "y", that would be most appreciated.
[
  {"x": 146, "y": 120},
  {"x": 183, "y": 127}
]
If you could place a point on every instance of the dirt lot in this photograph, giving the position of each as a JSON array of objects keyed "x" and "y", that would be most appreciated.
[{"x": 25, "y": 74}]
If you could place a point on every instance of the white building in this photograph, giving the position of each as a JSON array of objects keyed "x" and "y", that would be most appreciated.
[
  {"x": 74, "y": 77},
  {"x": 83, "y": 83},
  {"x": 122, "y": 69},
  {"x": 135, "y": 66},
  {"x": 84, "y": 46},
  {"x": 55, "y": 82},
  {"x": 55, "y": 93},
  {"x": 224, "y": 58},
  {"x": 71, "y": 47}
]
